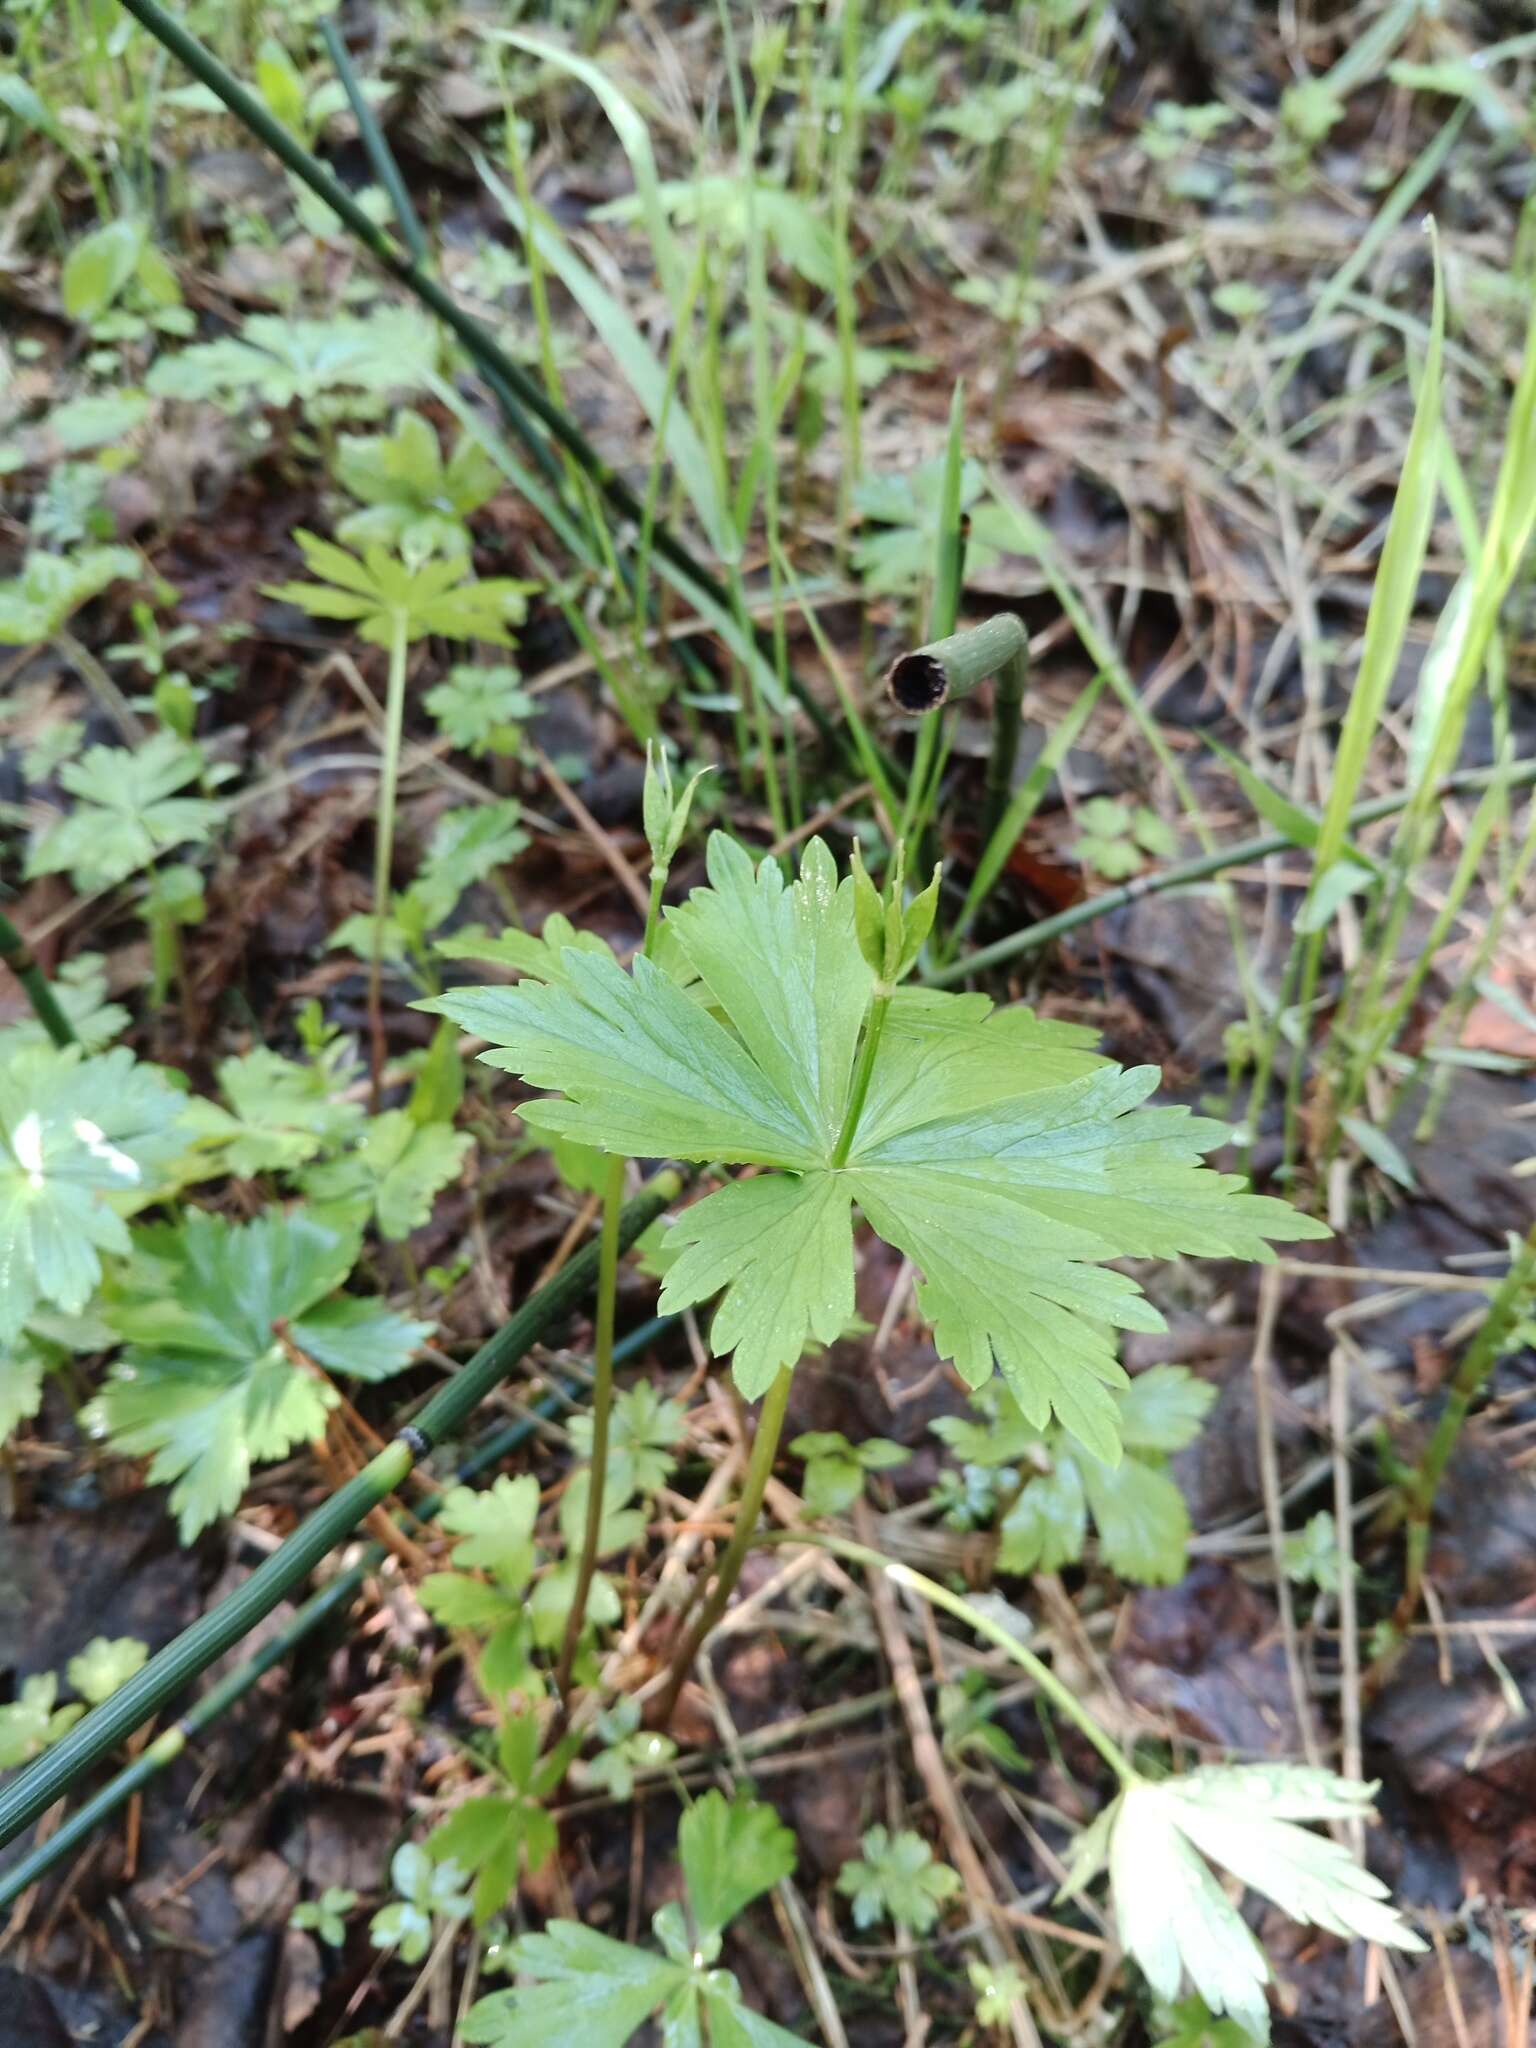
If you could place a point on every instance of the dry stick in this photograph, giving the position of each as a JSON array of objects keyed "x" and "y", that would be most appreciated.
[
  {"x": 929, "y": 1759},
  {"x": 754, "y": 1485},
  {"x": 1274, "y": 1513},
  {"x": 1509, "y": 1303},
  {"x": 1243, "y": 854},
  {"x": 18, "y": 956},
  {"x": 174, "y": 1669}
]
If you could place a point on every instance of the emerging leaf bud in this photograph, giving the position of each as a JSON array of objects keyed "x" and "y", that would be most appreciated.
[{"x": 665, "y": 814}]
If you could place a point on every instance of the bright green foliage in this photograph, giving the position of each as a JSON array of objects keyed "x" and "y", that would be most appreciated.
[
  {"x": 280, "y": 362},
  {"x": 428, "y": 1891},
  {"x": 481, "y": 710},
  {"x": 394, "y": 1175},
  {"x": 642, "y": 1431},
  {"x": 600, "y": 1992},
  {"x": 104, "y": 1664},
  {"x": 50, "y": 588},
  {"x": 994, "y": 1149},
  {"x": 23, "y": 1369},
  {"x": 467, "y": 845},
  {"x": 98, "y": 267},
  {"x": 1115, "y": 839},
  {"x": 1174, "y": 1917},
  {"x": 326, "y": 1916},
  {"x": 543, "y": 957},
  {"x": 219, "y": 1318},
  {"x": 29, "y": 1724},
  {"x": 496, "y": 1525},
  {"x": 897, "y": 1879},
  {"x": 1191, "y": 2025},
  {"x": 720, "y": 204},
  {"x": 74, "y": 1133},
  {"x": 665, "y": 809},
  {"x": 129, "y": 811},
  {"x": 383, "y": 594},
  {"x": 1312, "y": 1556},
  {"x": 997, "y": 1986},
  {"x": 1142, "y": 1522},
  {"x": 414, "y": 503},
  {"x": 835, "y": 1468},
  {"x": 627, "y": 1748},
  {"x": 80, "y": 988},
  {"x": 281, "y": 1112},
  {"x": 495, "y": 1836}
]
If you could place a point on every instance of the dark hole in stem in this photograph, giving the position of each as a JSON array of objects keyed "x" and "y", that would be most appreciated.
[{"x": 917, "y": 682}]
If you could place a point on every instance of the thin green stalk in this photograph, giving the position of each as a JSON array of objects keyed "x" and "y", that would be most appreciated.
[
  {"x": 602, "y": 1412},
  {"x": 332, "y": 1598},
  {"x": 174, "y": 1668},
  {"x": 19, "y": 957},
  {"x": 380, "y": 156},
  {"x": 943, "y": 617},
  {"x": 384, "y": 840},
  {"x": 1243, "y": 854},
  {"x": 770, "y": 1425},
  {"x": 1509, "y": 1304},
  {"x": 844, "y": 177},
  {"x": 1007, "y": 716},
  {"x": 1061, "y": 1697},
  {"x": 879, "y": 1010},
  {"x": 1022, "y": 805}
]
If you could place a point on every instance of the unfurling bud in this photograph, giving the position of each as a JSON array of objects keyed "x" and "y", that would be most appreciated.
[{"x": 891, "y": 933}]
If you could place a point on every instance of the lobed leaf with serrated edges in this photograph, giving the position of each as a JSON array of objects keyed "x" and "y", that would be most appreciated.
[{"x": 998, "y": 1151}]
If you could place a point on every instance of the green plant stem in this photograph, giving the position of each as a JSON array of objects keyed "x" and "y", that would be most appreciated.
[
  {"x": 384, "y": 842},
  {"x": 1007, "y": 723},
  {"x": 173, "y": 1670},
  {"x": 874, "y": 1026},
  {"x": 1060, "y": 1696},
  {"x": 1243, "y": 854},
  {"x": 380, "y": 156},
  {"x": 19, "y": 957},
  {"x": 653, "y": 910},
  {"x": 602, "y": 1411},
  {"x": 332, "y": 1598},
  {"x": 1509, "y": 1303},
  {"x": 929, "y": 676},
  {"x": 765, "y": 1444}
]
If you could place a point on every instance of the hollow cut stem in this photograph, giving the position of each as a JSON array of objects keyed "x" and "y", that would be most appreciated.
[{"x": 765, "y": 1444}]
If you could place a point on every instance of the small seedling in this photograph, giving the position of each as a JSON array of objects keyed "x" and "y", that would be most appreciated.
[
  {"x": 835, "y": 1469},
  {"x": 105, "y": 1664},
  {"x": 428, "y": 1892},
  {"x": 327, "y": 1915},
  {"x": 1115, "y": 839},
  {"x": 897, "y": 1879},
  {"x": 731, "y": 1852}
]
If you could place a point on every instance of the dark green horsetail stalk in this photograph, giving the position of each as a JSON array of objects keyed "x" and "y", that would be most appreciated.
[
  {"x": 167, "y": 1675},
  {"x": 332, "y": 1598},
  {"x": 18, "y": 956}
]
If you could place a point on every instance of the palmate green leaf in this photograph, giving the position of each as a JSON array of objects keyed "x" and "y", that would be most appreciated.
[
  {"x": 732, "y": 1850},
  {"x": 413, "y": 500},
  {"x": 104, "y": 1664},
  {"x": 74, "y": 1133},
  {"x": 994, "y": 1149},
  {"x": 81, "y": 989},
  {"x": 22, "y": 1371},
  {"x": 210, "y": 1384},
  {"x": 897, "y": 1879},
  {"x": 29, "y": 1724},
  {"x": 279, "y": 361},
  {"x": 1172, "y": 1914},
  {"x": 394, "y": 1175},
  {"x": 50, "y": 588},
  {"x": 380, "y": 592},
  {"x": 129, "y": 811},
  {"x": 282, "y": 1112},
  {"x": 642, "y": 1431},
  {"x": 588, "y": 1988},
  {"x": 481, "y": 710}
]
